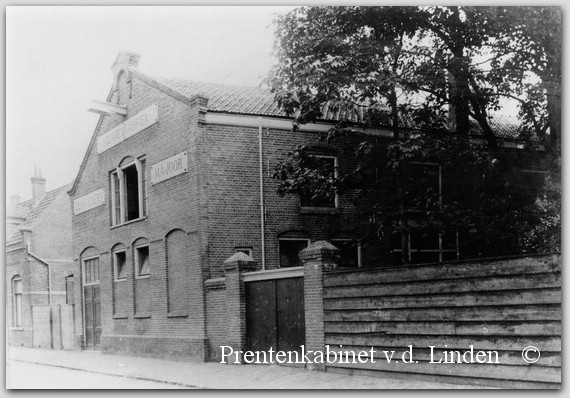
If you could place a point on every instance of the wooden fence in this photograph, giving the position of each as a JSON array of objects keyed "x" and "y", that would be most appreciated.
[{"x": 498, "y": 307}]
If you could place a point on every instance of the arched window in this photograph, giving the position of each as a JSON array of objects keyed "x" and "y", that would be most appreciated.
[
  {"x": 119, "y": 262},
  {"x": 142, "y": 258},
  {"x": 17, "y": 301},
  {"x": 128, "y": 191}
]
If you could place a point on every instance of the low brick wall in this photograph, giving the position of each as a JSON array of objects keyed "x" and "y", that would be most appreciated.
[{"x": 502, "y": 305}]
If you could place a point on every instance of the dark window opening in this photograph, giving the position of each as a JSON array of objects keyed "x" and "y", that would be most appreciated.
[
  {"x": 120, "y": 265},
  {"x": 289, "y": 252},
  {"x": 143, "y": 267},
  {"x": 348, "y": 253},
  {"x": 131, "y": 192},
  {"x": 315, "y": 196}
]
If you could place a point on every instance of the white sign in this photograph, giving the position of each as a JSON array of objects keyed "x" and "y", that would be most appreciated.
[
  {"x": 128, "y": 128},
  {"x": 89, "y": 201},
  {"x": 169, "y": 168}
]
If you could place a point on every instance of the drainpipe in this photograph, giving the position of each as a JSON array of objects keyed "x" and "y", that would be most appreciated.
[{"x": 261, "y": 196}]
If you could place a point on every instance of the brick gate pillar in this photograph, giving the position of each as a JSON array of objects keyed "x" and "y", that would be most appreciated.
[
  {"x": 234, "y": 267},
  {"x": 317, "y": 259}
]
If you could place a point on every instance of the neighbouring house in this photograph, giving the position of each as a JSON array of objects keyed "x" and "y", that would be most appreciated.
[
  {"x": 176, "y": 180},
  {"x": 39, "y": 268}
]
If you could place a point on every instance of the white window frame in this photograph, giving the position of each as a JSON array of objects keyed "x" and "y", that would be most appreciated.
[
  {"x": 279, "y": 248},
  {"x": 137, "y": 260},
  {"x": 17, "y": 305},
  {"x": 116, "y": 277},
  {"x": 119, "y": 172},
  {"x": 335, "y": 158},
  {"x": 83, "y": 274},
  {"x": 358, "y": 249}
]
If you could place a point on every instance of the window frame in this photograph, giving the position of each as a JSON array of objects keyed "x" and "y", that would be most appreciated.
[
  {"x": 121, "y": 202},
  {"x": 17, "y": 302},
  {"x": 84, "y": 274},
  {"x": 335, "y": 173},
  {"x": 279, "y": 248},
  {"x": 137, "y": 249},
  {"x": 116, "y": 277}
]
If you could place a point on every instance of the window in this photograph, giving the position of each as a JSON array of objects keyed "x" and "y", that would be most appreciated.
[
  {"x": 327, "y": 166},
  {"x": 289, "y": 251},
  {"x": 246, "y": 250},
  {"x": 17, "y": 301},
  {"x": 91, "y": 271},
  {"x": 142, "y": 262},
  {"x": 128, "y": 191},
  {"x": 349, "y": 252},
  {"x": 120, "y": 265},
  {"x": 423, "y": 184}
]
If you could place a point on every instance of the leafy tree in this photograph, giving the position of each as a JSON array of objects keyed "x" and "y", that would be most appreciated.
[{"x": 419, "y": 67}]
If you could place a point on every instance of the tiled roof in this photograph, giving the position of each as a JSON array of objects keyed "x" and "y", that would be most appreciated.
[
  {"x": 261, "y": 102},
  {"x": 31, "y": 214}
]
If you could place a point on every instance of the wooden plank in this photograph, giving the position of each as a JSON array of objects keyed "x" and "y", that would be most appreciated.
[
  {"x": 528, "y": 265},
  {"x": 472, "y": 381},
  {"x": 549, "y": 312},
  {"x": 485, "y": 283},
  {"x": 501, "y": 343},
  {"x": 547, "y": 358},
  {"x": 501, "y": 372},
  {"x": 537, "y": 296},
  {"x": 449, "y": 328}
]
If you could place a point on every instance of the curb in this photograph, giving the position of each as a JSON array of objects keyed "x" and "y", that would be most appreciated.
[{"x": 193, "y": 386}]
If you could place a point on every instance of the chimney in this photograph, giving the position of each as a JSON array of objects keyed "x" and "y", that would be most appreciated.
[
  {"x": 38, "y": 186},
  {"x": 124, "y": 61}
]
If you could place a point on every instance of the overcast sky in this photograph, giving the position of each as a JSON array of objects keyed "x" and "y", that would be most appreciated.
[{"x": 59, "y": 58}]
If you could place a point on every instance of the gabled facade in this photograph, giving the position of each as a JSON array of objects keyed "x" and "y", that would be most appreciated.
[
  {"x": 178, "y": 178},
  {"x": 38, "y": 265}
]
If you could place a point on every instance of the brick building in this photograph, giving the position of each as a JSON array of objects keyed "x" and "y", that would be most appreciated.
[
  {"x": 177, "y": 179},
  {"x": 39, "y": 266}
]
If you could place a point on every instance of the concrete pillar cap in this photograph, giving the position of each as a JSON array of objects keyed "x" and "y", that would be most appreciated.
[
  {"x": 319, "y": 245},
  {"x": 239, "y": 256}
]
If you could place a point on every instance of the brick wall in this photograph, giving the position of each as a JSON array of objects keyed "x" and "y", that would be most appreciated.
[{"x": 135, "y": 312}]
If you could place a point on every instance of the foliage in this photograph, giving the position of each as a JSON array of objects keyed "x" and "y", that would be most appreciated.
[{"x": 428, "y": 73}]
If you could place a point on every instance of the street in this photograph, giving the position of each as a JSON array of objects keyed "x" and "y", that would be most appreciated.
[{"x": 24, "y": 375}]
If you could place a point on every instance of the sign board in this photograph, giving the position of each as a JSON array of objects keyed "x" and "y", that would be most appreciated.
[
  {"x": 89, "y": 201},
  {"x": 169, "y": 168},
  {"x": 128, "y": 128}
]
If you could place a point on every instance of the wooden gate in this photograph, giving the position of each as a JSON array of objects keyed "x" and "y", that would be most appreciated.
[
  {"x": 275, "y": 314},
  {"x": 92, "y": 303}
]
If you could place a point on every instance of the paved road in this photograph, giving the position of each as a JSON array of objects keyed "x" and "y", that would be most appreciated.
[{"x": 23, "y": 375}]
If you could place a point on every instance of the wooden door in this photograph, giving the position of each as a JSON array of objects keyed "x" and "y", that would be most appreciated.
[{"x": 275, "y": 314}]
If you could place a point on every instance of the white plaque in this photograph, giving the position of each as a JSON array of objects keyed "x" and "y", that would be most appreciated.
[
  {"x": 169, "y": 168},
  {"x": 128, "y": 128},
  {"x": 89, "y": 201}
]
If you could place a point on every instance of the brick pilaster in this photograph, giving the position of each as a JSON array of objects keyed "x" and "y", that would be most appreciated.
[
  {"x": 234, "y": 267},
  {"x": 318, "y": 258}
]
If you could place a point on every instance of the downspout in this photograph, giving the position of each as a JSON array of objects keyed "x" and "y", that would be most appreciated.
[{"x": 261, "y": 196}]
